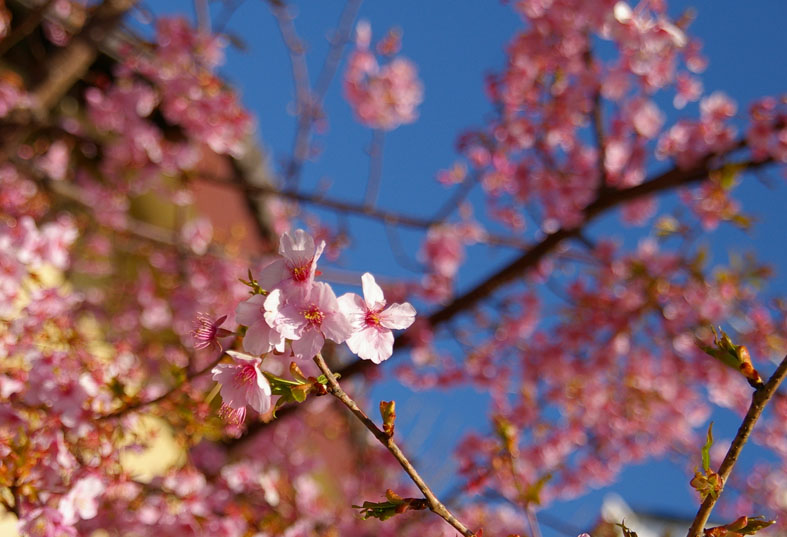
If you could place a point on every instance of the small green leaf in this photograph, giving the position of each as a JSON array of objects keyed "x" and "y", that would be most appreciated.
[
  {"x": 299, "y": 393},
  {"x": 394, "y": 505},
  {"x": 706, "y": 449}
]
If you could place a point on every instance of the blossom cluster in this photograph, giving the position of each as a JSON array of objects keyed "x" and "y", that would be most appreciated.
[
  {"x": 382, "y": 97},
  {"x": 291, "y": 312}
]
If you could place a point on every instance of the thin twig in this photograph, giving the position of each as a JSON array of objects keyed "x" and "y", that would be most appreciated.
[
  {"x": 459, "y": 195},
  {"x": 359, "y": 209},
  {"x": 308, "y": 102},
  {"x": 434, "y": 504},
  {"x": 202, "y": 12},
  {"x": 142, "y": 404},
  {"x": 759, "y": 400},
  {"x": 304, "y": 108},
  {"x": 375, "y": 168},
  {"x": 338, "y": 40}
]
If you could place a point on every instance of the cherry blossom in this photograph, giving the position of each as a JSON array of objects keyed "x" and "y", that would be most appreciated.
[
  {"x": 307, "y": 319},
  {"x": 260, "y": 338},
  {"x": 81, "y": 501},
  {"x": 299, "y": 264},
  {"x": 207, "y": 331},
  {"x": 372, "y": 321},
  {"x": 242, "y": 384},
  {"x": 382, "y": 97}
]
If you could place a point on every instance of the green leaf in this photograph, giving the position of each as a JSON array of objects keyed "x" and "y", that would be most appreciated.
[
  {"x": 395, "y": 505},
  {"x": 706, "y": 449}
]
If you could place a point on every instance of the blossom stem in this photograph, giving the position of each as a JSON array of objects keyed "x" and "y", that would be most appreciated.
[
  {"x": 759, "y": 400},
  {"x": 434, "y": 504}
]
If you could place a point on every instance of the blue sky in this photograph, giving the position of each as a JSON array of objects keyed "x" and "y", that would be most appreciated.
[{"x": 454, "y": 44}]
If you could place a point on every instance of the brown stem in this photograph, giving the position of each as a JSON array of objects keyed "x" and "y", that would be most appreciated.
[
  {"x": 759, "y": 400},
  {"x": 434, "y": 504}
]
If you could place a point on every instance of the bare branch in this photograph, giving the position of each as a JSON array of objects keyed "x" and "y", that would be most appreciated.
[
  {"x": 759, "y": 400},
  {"x": 434, "y": 504},
  {"x": 375, "y": 168}
]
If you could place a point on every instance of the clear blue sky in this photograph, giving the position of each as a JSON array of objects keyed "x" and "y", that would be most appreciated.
[{"x": 454, "y": 44}]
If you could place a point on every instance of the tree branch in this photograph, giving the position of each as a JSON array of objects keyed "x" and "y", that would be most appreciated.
[
  {"x": 434, "y": 504},
  {"x": 535, "y": 253},
  {"x": 122, "y": 411},
  {"x": 759, "y": 400},
  {"x": 359, "y": 209}
]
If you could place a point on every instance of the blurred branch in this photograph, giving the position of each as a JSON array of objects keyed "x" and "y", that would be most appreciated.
[
  {"x": 459, "y": 195},
  {"x": 358, "y": 209},
  {"x": 202, "y": 12},
  {"x": 537, "y": 252},
  {"x": 303, "y": 98},
  {"x": 375, "y": 168},
  {"x": 23, "y": 29},
  {"x": 308, "y": 102}
]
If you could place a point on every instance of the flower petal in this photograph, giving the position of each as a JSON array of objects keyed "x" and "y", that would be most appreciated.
[
  {"x": 308, "y": 345},
  {"x": 372, "y": 293},
  {"x": 398, "y": 316},
  {"x": 354, "y": 308},
  {"x": 372, "y": 344},
  {"x": 250, "y": 311}
]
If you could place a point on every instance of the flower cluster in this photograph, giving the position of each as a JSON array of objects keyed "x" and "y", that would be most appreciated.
[
  {"x": 382, "y": 97},
  {"x": 290, "y": 311}
]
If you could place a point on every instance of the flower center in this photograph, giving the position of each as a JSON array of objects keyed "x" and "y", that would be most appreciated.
[
  {"x": 372, "y": 318},
  {"x": 245, "y": 375},
  {"x": 313, "y": 315},
  {"x": 301, "y": 273}
]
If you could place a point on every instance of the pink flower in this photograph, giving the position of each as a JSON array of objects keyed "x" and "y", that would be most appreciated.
[
  {"x": 307, "y": 319},
  {"x": 372, "y": 322},
  {"x": 299, "y": 264},
  {"x": 260, "y": 337},
  {"x": 45, "y": 522},
  {"x": 206, "y": 332},
  {"x": 80, "y": 502},
  {"x": 242, "y": 383},
  {"x": 382, "y": 97}
]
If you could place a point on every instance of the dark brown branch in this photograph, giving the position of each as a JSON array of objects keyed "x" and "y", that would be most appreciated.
[
  {"x": 537, "y": 252},
  {"x": 759, "y": 400},
  {"x": 532, "y": 256},
  {"x": 434, "y": 504},
  {"x": 72, "y": 62},
  {"x": 30, "y": 23}
]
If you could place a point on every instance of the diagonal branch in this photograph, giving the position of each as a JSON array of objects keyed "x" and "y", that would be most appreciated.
[
  {"x": 759, "y": 400},
  {"x": 387, "y": 440},
  {"x": 610, "y": 199}
]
